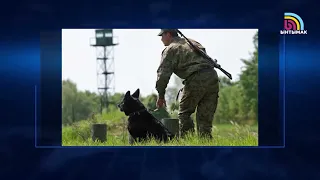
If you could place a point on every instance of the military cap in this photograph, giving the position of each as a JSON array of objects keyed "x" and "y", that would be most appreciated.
[{"x": 167, "y": 30}]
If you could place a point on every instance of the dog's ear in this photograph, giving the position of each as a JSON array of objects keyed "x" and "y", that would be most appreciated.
[
  {"x": 136, "y": 94},
  {"x": 127, "y": 95}
]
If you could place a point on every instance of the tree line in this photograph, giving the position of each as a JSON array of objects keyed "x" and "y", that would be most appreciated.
[{"x": 238, "y": 100}]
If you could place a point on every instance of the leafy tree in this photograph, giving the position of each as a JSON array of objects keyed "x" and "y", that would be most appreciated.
[
  {"x": 77, "y": 105},
  {"x": 249, "y": 82},
  {"x": 238, "y": 100},
  {"x": 69, "y": 98}
]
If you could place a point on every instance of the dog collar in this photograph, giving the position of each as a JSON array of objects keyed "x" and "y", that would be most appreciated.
[{"x": 137, "y": 112}]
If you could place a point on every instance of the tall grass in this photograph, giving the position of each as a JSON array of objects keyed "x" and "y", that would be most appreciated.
[{"x": 78, "y": 134}]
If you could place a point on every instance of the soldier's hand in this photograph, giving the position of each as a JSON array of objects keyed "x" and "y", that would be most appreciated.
[{"x": 161, "y": 103}]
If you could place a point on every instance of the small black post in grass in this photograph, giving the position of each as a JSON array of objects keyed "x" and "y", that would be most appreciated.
[
  {"x": 131, "y": 140},
  {"x": 172, "y": 125},
  {"x": 99, "y": 132}
]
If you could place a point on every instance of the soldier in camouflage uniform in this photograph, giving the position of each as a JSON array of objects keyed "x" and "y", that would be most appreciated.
[{"x": 200, "y": 79}]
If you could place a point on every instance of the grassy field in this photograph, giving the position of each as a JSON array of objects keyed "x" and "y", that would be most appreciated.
[{"x": 78, "y": 134}]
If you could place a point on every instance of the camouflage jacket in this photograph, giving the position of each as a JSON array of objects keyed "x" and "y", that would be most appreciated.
[{"x": 178, "y": 58}]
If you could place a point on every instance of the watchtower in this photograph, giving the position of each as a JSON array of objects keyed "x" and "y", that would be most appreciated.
[{"x": 104, "y": 42}]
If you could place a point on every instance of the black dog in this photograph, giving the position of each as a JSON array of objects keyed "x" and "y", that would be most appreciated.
[{"x": 141, "y": 123}]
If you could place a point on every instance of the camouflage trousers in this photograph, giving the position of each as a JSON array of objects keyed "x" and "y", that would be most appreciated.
[{"x": 199, "y": 93}]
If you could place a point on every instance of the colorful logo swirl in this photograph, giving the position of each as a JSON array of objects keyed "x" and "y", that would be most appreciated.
[{"x": 293, "y": 22}]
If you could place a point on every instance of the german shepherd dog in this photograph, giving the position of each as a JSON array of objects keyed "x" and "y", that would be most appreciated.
[{"x": 141, "y": 123}]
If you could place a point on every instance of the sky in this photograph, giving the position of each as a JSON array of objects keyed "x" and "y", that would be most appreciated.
[{"x": 138, "y": 54}]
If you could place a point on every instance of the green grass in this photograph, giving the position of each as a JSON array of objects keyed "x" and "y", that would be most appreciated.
[{"x": 232, "y": 134}]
